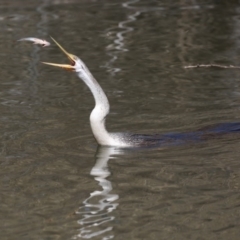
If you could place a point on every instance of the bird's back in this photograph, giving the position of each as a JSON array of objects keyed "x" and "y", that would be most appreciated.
[{"x": 174, "y": 138}]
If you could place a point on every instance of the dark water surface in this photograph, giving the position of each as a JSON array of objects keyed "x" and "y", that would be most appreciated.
[{"x": 55, "y": 183}]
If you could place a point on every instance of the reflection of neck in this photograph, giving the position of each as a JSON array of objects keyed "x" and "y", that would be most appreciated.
[
  {"x": 97, "y": 207},
  {"x": 102, "y": 156}
]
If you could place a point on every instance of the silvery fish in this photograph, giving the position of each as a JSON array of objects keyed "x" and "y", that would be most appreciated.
[{"x": 39, "y": 41}]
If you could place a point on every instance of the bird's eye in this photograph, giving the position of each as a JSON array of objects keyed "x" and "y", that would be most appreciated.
[{"x": 73, "y": 60}]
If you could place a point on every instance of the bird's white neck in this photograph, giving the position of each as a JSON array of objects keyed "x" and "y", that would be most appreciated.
[{"x": 100, "y": 111}]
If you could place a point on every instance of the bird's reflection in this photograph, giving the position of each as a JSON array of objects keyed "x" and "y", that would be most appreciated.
[{"x": 97, "y": 212}]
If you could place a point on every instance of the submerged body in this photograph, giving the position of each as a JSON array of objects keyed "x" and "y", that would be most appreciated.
[
  {"x": 38, "y": 41},
  {"x": 176, "y": 139},
  {"x": 101, "y": 110}
]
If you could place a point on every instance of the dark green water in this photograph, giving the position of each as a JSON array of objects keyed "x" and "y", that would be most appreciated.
[{"x": 55, "y": 183}]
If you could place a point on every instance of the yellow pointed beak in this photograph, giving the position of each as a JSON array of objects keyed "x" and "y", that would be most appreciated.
[{"x": 69, "y": 55}]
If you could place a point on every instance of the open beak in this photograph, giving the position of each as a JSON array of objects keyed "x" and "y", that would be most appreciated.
[{"x": 69, "y": 55}]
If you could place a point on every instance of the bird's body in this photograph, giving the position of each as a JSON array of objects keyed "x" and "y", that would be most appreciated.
[{"x": 102, "y": 107}]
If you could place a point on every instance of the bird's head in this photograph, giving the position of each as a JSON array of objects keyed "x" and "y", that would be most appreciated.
[{"x": 76, "y": 63}]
